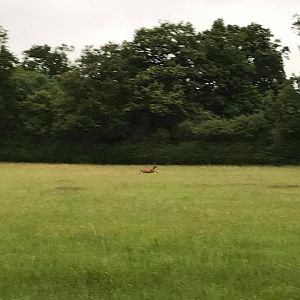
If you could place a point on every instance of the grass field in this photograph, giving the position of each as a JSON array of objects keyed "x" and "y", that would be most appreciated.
[{"x": 105, "y": 232}]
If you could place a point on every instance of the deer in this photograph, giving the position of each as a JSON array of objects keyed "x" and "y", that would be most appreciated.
[{"x": 149, "y": 171}]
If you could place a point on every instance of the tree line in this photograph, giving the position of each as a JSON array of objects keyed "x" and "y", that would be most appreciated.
[{"x": 170, "y": 95}]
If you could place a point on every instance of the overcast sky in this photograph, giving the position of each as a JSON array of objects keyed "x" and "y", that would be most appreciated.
[{"x": 95, "y": 22}]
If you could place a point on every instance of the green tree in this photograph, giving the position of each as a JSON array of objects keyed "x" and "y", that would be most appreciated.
[
  {"x": 7, "y": 105},
  {"x": 164, "y": 44},
  {"x": 266, "y": 56},
  {"x": 37, "y": 97},
  {"x": 92, "y": 109},
  {"x": 7, "y": 59},
  {"x": 227, "y": 69},
  {"x": 283, "y": 112},
  {"x": 158, "y": 99},
  {"x": 238, "y": 128},
  {"x": 45, "y": 59},
  {"x": 106, "y": 72},
  {"x": 243, "y": 64},
  {"x": 296, "y": 24},
  {"x": 169, "y": 84}
]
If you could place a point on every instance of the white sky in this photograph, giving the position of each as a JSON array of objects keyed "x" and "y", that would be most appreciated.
[{"x": 95, "y": 22}]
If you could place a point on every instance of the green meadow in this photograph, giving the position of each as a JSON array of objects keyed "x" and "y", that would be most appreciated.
[{"x": 188, "y": 232}]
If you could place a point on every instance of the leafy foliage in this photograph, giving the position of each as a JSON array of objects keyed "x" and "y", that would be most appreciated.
[
  {"x": 7, "y": 106},
  {"x": 47, "y": 60},
  {"x": 296, "y": 24},
  {"x": 197, "y": 94}
]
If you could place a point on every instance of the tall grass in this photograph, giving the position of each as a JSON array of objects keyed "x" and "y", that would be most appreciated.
[{"x": 105, "y": 232}]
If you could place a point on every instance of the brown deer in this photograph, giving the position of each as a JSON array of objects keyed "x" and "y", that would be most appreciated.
[{"x": 149, "y": 171}]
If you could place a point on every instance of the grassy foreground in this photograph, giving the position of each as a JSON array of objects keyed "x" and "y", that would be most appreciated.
[{"x": 105, "y": 232}]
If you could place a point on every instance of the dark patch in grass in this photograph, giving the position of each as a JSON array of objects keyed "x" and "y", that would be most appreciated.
[
  {"x": 69, "y": 188},
  {"x": 285, "y": 186},
  {"x": 274, "y": 186},
  {"x": 64, "y": 180},
  {"x": 222, "y": 185}
]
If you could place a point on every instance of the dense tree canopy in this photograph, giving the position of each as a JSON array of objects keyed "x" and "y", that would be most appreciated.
[
  {"x": 47, "y": 60},
  {"x": 211, "y": 91},
  {"x": 7, "y": 105}
]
